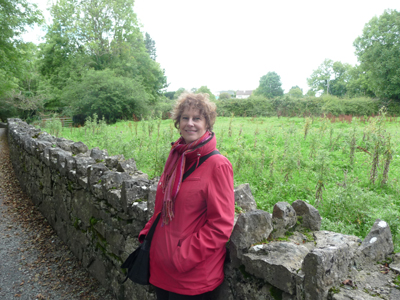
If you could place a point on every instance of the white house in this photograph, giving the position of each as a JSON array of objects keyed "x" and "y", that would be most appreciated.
[{"x": 243, "y": 94}]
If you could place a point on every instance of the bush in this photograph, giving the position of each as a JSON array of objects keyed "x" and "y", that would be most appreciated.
[
  {"x": 104, "y": 93},
  {"x": 288, "y": 106}
]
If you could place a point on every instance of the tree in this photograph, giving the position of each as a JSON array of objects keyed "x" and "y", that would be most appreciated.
[
  {"x": 378, "y": 51},
  {"x": 223, "y": 96},
  {"x": 108, "y": 95},
  {"x": 270, "y": 86},
  {"x": 15, "y": 16},
  {"x": 205, "y": 90},
  {"x": 179, "y": 92},
  {"x": 358, "y": 83},
  {"x": 295, "y": 92},
  {"x": 97, "y": 35},
  {"x": 330, "y": 78},
  {"x": 150, "y": 46}
]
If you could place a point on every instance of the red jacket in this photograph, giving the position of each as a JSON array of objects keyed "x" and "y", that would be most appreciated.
[{"x": 187, "y": 255}]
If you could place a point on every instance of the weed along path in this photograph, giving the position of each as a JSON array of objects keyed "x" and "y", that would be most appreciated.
[{"x": 34, "y": 262}]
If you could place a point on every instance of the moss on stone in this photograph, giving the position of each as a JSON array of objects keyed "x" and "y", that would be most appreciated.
[{"x": 276, "y": 293}]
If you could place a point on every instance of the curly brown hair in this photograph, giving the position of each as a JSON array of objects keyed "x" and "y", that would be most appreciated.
[{"x": 197, "y": 101}]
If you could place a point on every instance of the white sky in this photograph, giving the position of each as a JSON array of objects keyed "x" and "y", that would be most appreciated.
[{"x": 230, "y": 44}]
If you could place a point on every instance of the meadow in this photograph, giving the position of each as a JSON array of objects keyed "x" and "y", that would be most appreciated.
[{"x": 347, "y": 167}]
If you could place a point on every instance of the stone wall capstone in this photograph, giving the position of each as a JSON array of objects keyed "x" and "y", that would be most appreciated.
[{"x": 99, "y": 203}]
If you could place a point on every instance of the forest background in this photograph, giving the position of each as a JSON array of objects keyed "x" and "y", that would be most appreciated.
[{"x": 96, "y": 66}]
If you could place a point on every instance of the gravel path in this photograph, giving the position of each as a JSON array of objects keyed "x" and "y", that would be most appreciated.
[{"x": 34, "y": 262}]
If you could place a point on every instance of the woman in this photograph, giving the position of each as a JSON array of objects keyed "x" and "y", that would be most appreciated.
[{"x": 188, "y": 248}]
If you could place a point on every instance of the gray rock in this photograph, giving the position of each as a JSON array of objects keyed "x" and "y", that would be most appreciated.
[
  {"x": 64, "y": 144},
  {"x": 151, "y": 199},
  {"x": 308, "y": 215},
  {"x": 346, "y": 294},
  {"x": 112, "y": 161},
  {"x": 244, "y": 198},
  {"x": 79, "y": 147},
  {"x": 82, "y": 164},
  {"x": 94, "y": 174},
  {"x": 251, "y": 227},
  {"x": 283, "y": 218},
  {"x": 134, "y": 191},
  {"x": 98, "y": 155},
  {"x": 378, "y": 243},
  {"x": 325, "y": 267},
  {"x": 128, "y": 166},
  {"x": 277, "y": 263}
]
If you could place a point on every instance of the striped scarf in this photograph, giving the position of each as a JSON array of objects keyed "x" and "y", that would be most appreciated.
[{"x": 171, "y": 179}]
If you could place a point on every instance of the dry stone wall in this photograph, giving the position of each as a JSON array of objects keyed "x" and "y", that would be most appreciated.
[{"x": 98, "y": 204}]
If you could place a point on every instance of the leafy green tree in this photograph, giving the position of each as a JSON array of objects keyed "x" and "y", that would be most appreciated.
[
  {"x": 15, "y": 16},
  {"x": 378, "y": 52},
  {"x": 223, "y": 96},
  {"x": 169, "y": 95},
  {"x": 358, "y": 83},
  {"x": 330, "y": 78},
  {"x": 108, "y": 95},
  {"x": 204, "y": 89},
  {"x": 270, "y": 86},
  {"x": 295, "y": 92},
  {"x": 179, "y": 92},
  {"x": 97, "y": 35},
  {"x": 150, "y": 46}
]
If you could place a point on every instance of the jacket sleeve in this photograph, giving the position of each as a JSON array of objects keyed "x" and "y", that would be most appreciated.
[{"x": 220, "y": 217}]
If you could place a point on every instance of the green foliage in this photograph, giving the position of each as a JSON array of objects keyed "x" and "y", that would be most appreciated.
[
  {"x": 270, "y": 86},
  {"x": 290, "y": 106},
  {"x": 223, "y": 96},
  {"x": 295, "y": 92},
  {"x": 379, "y": 54},
  {"x": 150, "y": 46},
  {"x": 15, "y": 16},
  {"x": 179, "y": 92},
  {"x": 54, "y": 126},
  {"x": 96, "y": 36},
  {"x": 107, "y": 95},
  {"x": 330, "y": 78},
  {"x": 204, "y": 89}
]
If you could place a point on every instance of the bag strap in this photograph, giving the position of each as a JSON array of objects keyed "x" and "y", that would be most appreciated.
[
  {"x": 201, "y": 160},
  {"x": 149, "y": 235}
]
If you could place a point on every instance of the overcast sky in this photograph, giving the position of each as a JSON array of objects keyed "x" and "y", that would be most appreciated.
[{"x": 230, "y": 44}]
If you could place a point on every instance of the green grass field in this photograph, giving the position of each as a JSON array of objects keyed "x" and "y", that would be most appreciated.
[{"x": 348, "y": 170}]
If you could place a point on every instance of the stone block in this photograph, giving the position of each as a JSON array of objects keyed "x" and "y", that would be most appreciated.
[
  {"x": 244, "y": 197},
  {"x": 82, "y": 163},
  {"x": 79, "y": 147},
  {"x": 277, "y": 263},
  {"x": 94, "y": 173},
  {"x": 128, "y": 166},
  {"x": 64, "y": 144},
  {"x": 308, "y": 215},
  {"x": 283, "y": 218},
  {"x": 133, "y": 191},
  {"x": 112, "y": 161},
  {"x": 378, "y": 243},
  {"x": 151, "y": 199},
  {"x": 98, "y": 155},
  {"x": 251, "y": 227},
  {"x": 325, "y": 267}
]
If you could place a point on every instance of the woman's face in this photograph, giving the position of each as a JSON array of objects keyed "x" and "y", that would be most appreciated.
[{"x": 192, "y": 125}]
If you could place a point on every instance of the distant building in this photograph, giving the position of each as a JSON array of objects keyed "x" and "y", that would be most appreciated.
[{"x": 243, "y": 94}]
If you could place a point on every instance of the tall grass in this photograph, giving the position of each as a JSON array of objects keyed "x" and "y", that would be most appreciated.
[{"x": 347, "y": 168}]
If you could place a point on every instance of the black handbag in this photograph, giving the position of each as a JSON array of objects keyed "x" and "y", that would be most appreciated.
[{"x": 138, "y": 262}]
